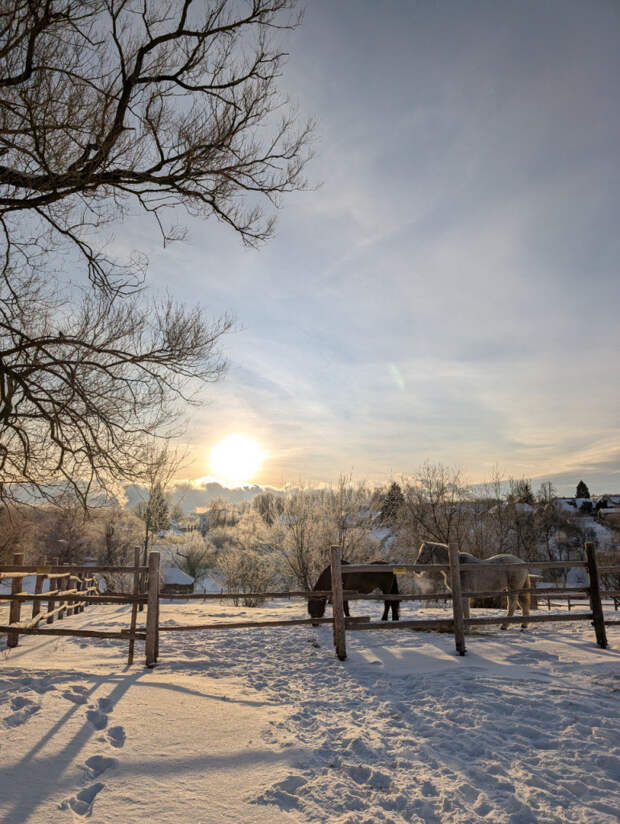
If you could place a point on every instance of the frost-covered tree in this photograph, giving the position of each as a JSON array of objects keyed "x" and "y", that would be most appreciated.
[{"x": 392, "y": 504}]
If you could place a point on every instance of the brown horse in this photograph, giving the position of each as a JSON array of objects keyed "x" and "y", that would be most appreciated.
[
  {"x": 364, "y": 582},
  {"x": 511, "y": 573}
]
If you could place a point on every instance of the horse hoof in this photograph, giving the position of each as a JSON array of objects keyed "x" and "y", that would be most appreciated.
[
  {"x": 503, "y": 627},
  {"x": 315, "y": 625},
  {"x": 523, "y": 627}
]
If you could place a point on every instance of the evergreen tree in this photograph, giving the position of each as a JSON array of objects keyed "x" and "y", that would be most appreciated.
[
  {"x": 582, "y": 490},
  {"x": 521, "y": 492},
  {"x": 392, "y": 504}
]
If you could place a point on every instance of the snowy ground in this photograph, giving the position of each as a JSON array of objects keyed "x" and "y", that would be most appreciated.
[{"x": 252, "y": 726}]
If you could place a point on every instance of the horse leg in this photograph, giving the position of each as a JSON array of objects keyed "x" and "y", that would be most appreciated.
[
  {"x": 346, "y": 609},
  {"x": 395, "y": 605},
  {"x": 386, "y": 610},
  {"x": 524, "y": 603},
  {"x": 512, "y": 603}
]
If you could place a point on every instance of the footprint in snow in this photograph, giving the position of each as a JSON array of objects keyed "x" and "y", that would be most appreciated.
[
  {"x": 99, "y": 720},
  {"x": 23, "y": 709},
  {"x": 98, "y": 764},
  {"x": 82, "y": 803},
  {"x": 116, "y": 737},
  {"x": 98, "y": 717},
  {"x": 105, "y": 705},
  {"x": 77, "y": 697}
]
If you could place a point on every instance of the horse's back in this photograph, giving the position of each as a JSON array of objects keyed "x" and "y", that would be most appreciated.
[{"x": 504, "y": 558}]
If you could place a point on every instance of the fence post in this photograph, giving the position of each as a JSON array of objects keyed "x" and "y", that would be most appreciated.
[
  {"x": 50, "y": 602},
  {"x": 143, "y": 579},
  {"x": 457, "y": 599},
  {"x": 152, "y": 610},
  {"x": 38, "y": 589},
  {"x": 63, "y": 604},
  {"x": 338, "y": 604},
  {"x": 134, "y": 606},
  {"x": 16, "y": 606},
  {"x": 595, "y": 597},
  {"x": 71, "y": 605}
]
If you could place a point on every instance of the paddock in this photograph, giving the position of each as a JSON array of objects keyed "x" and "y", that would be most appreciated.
[{"x": 74, "y": 590}]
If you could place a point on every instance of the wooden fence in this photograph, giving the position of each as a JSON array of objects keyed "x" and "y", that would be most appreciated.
[
  {"x": 72, "y": 588},
  {"x": 75, "y": 588},
  {"x": 458, "y": 623}
]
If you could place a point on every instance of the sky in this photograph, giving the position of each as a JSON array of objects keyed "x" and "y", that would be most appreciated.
[{"x": 449, "y": 290}]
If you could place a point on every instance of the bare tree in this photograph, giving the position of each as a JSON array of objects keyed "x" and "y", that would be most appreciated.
[
  {"x": 436, "y": 505},
  {"x": 161, "y": 464},
  {"x": 296, "y": 525},
  {"x": 108, "y": 106}
]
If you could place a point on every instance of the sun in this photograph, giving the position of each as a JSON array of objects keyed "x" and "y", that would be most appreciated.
[{"x": 236, "y": 459}]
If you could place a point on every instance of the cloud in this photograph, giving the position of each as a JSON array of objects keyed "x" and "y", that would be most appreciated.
[{"x": 451, "y": 290}]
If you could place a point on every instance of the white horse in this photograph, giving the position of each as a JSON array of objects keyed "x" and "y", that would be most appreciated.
[{"x": 476, "y": 578}]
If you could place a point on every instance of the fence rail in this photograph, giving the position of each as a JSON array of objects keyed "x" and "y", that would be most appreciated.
[
  {"x": 482, "y": 565},
  {"x": 76, "y": 588},
  {"x": 58, "y": 570}
]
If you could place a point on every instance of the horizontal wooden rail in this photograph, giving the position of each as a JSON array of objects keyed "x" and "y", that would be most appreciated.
[
  {"x": 248, "y": 624},
  {"x": 88, "y": 599},
  {"x": 447, "y": 623},
  {"x": 530, "y": 619},
  {"x": 244, "y": 624},
  {"x": 439, "y": 567},
  {"x": 56, "y": 571},
  {"x": 436, "y": 596},
  {"x": 391, "y": 567},
  {"x": 415, "y": 624},
  {"x": 216, "y": 596},
  {"x": 78, "y": 633}
]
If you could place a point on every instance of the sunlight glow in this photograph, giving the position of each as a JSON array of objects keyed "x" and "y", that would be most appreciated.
[{"x": 236, "y": 459}]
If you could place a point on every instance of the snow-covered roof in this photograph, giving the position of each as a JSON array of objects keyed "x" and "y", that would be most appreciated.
[
  {"x": 521, "y": 506},
  {"x": 566, "y": 504},
  {"x": 175, "y": 576}
]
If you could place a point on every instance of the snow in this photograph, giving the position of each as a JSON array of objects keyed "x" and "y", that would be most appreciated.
[
  {"x": 253, "y": 726},
  {"x": 521, "y": 506},
  {"x": 27, "y": 585},
  {"x": 174, "y": 576},
  {"x": 210, "y": 582}
]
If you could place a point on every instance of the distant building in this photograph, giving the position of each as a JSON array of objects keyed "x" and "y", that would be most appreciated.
[{"x": 175, "y": 582}]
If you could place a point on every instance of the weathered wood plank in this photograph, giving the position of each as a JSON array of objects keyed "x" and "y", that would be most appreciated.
[
  {"x": 58, "y": 570},
  {"x": 457, "y": 599},
  {"x": 340, "y": 641},
  {"x": 15, "y": 605},
  {"x": 134, "y": 606},
  {"x": 598, "y": 618},
  {"x": 67, "y": 631},
  {"x": 152, "y": 614}
]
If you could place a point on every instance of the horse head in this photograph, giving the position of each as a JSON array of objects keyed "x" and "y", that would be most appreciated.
[
  {"x": 432, "y": 553},
  {"x": 316, "y": 607}
]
